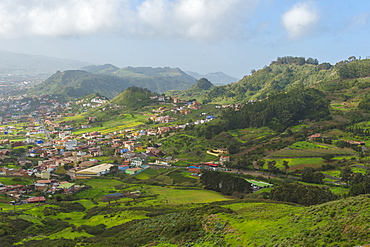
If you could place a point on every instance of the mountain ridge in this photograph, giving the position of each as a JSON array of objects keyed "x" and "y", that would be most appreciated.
[
  {"x": 18, "y": 63},
  {"x": 217, "y": 78}
]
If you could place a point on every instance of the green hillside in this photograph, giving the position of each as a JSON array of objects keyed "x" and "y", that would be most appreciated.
[
  {"x": 134, "y": 98},
  {"x": 274, "y": 78},
  {"x": 231, "y": 223},
  {"x": 199, "y": 91},
  {"x": 157, "y": 80},
  {"x": 77, "y": 83}
]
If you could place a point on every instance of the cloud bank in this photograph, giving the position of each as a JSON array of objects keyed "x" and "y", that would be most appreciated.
[
  {"x": 192, "y": 19},
  {"x": 300, "y": 20}
]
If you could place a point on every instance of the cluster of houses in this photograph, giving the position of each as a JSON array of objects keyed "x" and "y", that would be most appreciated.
[
  {"x": 79, "y": 153},
  {"x": 96, "y": 101},
  {"x": 21, "y": 193}
]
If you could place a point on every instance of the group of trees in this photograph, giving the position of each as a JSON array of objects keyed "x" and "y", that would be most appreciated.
[
  {"x": 223, "y": 182},
  {"x": 295, "y": 60},
  {"x": 309, "y": 175},
  {"x": 302, "y": 194},
  {"x": 353, "y": 68},
  {"x": 360, "y": 183}
]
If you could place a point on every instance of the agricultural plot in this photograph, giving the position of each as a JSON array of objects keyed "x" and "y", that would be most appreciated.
[
  {"x": 298, "y": 163},
  {"x": 77, "y": 118},
  {"x": 310, "y": 149},
  {"x": 16, "y": 180},
  {"x": 250, "y": 134},
  {"x": 121, "y": 127},
  {"x": 298, "y": 128},
  {"x": 343, "y": 106},
  {"x": 336, "y": 173},
  {"x": 172, "y": 196},
  {"x": 146, "y": 174},
  {"x": 99, "y": 188}
]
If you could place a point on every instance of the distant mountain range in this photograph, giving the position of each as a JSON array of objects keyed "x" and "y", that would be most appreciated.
[
  {"x": 16, "y": 63},
  {"x": 217, "y": 78}
]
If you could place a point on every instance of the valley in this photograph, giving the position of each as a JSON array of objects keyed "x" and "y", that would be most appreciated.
[{"x": 279, "y": 158}]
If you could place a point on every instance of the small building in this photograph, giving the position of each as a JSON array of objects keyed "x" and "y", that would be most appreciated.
[
  {"x": 36, "y": 199},
  {"x": 194, "y": 169},
  {"x": 133, "y": 171},
  {"x": 123, "y": 167},
  {"x": 136, "y": 162},
  {"x": 95, "y": 171}
]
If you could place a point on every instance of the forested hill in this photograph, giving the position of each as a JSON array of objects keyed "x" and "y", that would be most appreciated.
[
  {"x": 280, "y": 110},
  {"x": 281, "y": 75}
]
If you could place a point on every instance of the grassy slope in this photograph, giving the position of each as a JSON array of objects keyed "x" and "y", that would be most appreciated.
[{"x": 337, "y": 223}]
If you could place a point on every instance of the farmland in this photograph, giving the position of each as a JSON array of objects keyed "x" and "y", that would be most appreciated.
[{"x": 310, "y": 149}]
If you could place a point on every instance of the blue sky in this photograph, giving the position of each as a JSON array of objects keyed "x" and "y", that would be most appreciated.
[{"x": 233, "y": 36}]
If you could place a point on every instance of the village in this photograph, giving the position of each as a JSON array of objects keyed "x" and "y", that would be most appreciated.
[{"x": 56, "y": 157}]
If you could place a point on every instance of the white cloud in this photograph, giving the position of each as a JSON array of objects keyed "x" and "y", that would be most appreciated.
[
  {"x": 300, "y": 19},
  {"x": 56, "y": 18},
  {"x": 194, "y": 19}
]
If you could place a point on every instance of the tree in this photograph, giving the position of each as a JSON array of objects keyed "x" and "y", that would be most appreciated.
[
  {"x": 60, "y": 170},
  {"x": 286, "y": 167},
  {"x": 113, "y": 169},
  {"x": 225, "y": 183},
  {"x": 346, "y": 174},
  {"x": 271, "y": 166},
  {"x": 260, "y": 164},
  {"x": 309, "y": 175},
  {"x": 303, "y": 194},
  {"x": 239, "y": 164},
  {"x": 327, "y": 157},
  {"x": 109, "y": 198}
]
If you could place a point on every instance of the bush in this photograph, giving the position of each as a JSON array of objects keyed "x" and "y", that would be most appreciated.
[{"x": 93, "y": 230}]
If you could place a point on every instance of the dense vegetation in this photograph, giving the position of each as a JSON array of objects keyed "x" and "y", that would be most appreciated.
[
  {"x": 353, "y": 68},
  {"x": 279, "y": 76},
  {"x": 302, "y": 194},
  {"x": 225, "y": 183},
  {"x": 280, "y": 111}
]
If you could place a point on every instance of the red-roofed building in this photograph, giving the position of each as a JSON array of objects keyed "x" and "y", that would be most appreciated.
[{"x": 36, "y": 199}]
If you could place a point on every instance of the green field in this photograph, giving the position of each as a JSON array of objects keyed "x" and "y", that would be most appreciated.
[
  {"x": 308, "y": 149},
  {"x": 16, "y": 180},
  {"x": 146, "y": 174},
  {"x": 173, "y": 196},
  {"x": 336, "y": 173},
  {"x": 298, "y": 163},
  {"x": 100, "y": 187},
  {"x": 251, "y": 134}
]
